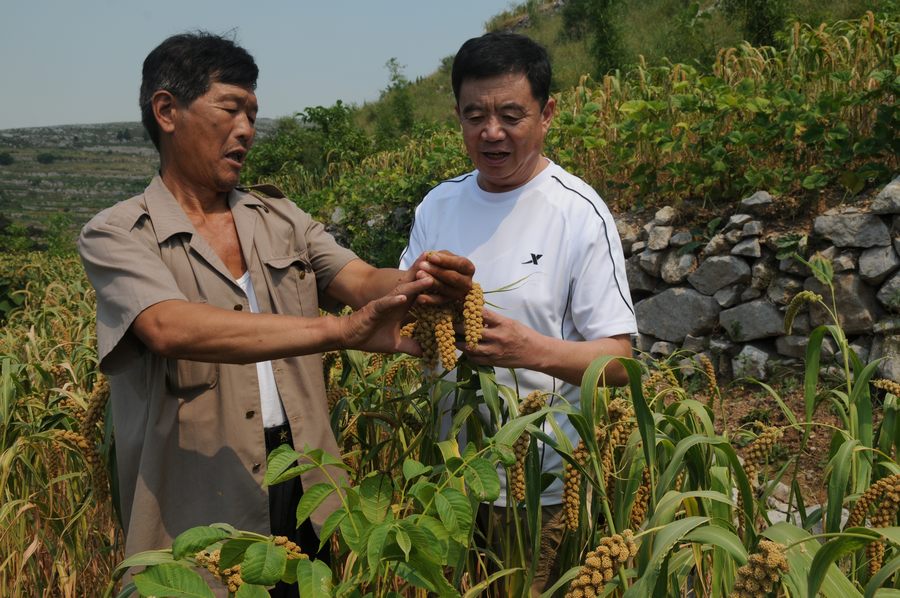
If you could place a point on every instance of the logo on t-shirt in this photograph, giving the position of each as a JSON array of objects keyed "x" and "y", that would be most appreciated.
[{"x": 534, "y": 259}]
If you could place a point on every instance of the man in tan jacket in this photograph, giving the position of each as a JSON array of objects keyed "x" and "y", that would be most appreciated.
[{"x": 208, "y": 320}]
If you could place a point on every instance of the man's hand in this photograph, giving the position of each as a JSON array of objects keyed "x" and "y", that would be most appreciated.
[
  {"x": 451, "y": 275},
  {"x": 504, "y": 343},
  {"x": 375, "y": 327}
]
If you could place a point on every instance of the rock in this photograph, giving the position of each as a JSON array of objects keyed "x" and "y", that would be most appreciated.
[
  {"x": 888, "y": 199},
  {"x": 628, "y": 234},
  {"x": 665, "y": 216},
  {"x": 645, "y": 342},
  {"x": 676, "y": 313},
  {"x": 723, "y": 346},
  {"x": 781, "y": 492},
  {"x": 783, "y": 289},
  {"x": 751, "y": 321},
  {"x": 733, "y": 236},
  {"x": 858, "y": 309},
  {"x": 790, "y": 265},
  {"x": 662, "y": 349},
  {"x": 887, "y": 326},
  {"x": 738, "y": 221},
  {"x": 729, "y": 296},
  {"x": 650, "y": 261},
  {"x": 695, "y": 344},
  {"x": 889, "y": 352},
  {"x": 757, "y": 203},
  {"x": 860, "y": 347},
  {"x": 762, "y": 272},
  {"x": 675, "y": 268},
  {"x": 750, "y": 294},
  {"x": 754, "y": 228},
  {"x": 889, "y": 294},
  {"x": 878, "y": 263},
  {"x": 841, "y": 261},
  {"x": 718, "y": 272},
  {"x": 681, "y": 238},
  {"x": 750, "y": 363},
  {"x": 638, "y": 247},
  {"x": 638, "y": 280},
  {"x": 748, "y": 247},
  {"x": 792, "y": 346},
  {"x": 716, "y": 246},
  {"x": 338, "y": 215},
  {"x": 850, "y": 229},
  {"x": 658, "y": 238}
]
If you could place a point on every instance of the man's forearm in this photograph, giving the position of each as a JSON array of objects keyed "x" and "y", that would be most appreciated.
[{"x": 568, "y": 360}]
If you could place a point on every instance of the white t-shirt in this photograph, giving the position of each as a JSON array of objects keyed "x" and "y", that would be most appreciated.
[
  {"x": 270, "y": 400},
  {"x": 556, "y": 238}
]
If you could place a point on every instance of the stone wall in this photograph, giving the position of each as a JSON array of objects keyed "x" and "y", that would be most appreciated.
[{"x": 727, "y": 297}]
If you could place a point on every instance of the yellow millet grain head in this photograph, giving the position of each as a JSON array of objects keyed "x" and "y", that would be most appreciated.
[
  {"x": 799, "y": 300},
  {"x": 532, "y": 402},
  {"x": 334, "y": 394},
  {"x": 408, "y": 329},
  {"x": 886, "y": 489},
  {"x": 572, "y": 488},
  {"x": 875, "y": 556},
  {"x": 888, "y": 386},
  {"x": 712, "y": 382},
  {"x": 473, "y": 316},
  {"x": 96, "y": 406},
  {"x": 641, "y": 500},
  {"x": 445, "y": 338}
]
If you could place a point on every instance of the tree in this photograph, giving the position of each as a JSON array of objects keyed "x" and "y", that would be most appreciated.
[
  {"x": 595, "y": 19},
  {"x": 762, "y": 19},
  {"x": 394, "y": 117},
  {"x": 6, "y": 159}
]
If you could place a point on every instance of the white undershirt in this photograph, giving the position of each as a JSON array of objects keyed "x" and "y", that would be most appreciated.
[{"x": 270, "y": 401}]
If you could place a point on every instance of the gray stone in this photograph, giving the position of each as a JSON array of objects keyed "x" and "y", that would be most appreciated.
[
  {"x": 665, "y": 216},
  {"x": 887, "y": 326},
  {"x": 681, "y": 238},
  {"x": 628, "y": 234},
  {"x": 722, "y": 346},
  {"x": 878, "y": 263},
  {"x": 644, "y": 342},
  {"x": 738, "y": 221},
  {"x": 783, "y": 289},
  {"x": 750, "y": 363},
  {"x": 729, "y": 296},
  {"x": 751, "y": 294},
  {"x": 757, "y": 203},
  {"x": 861, "y": 347},
  {"x": 663, "y": 349},
  {"x": 658, "y": 238},
  {"x": 801, "y": 323},
  {"x": 638, "y": 246},
  {"x": 754, "y": 228},
  {"x": 676, "y": 313},
  {"x": 841, "y": 261},
  {"x": 695, "y": 344},
  {"x": 858, "y": 311},
  {"x": 889, "y": 294},
  {"x": 734, "y": 236},
  {"x": 849, "y": 229},
  {"x": 675, "y": 268},
  {"x": 748, "y": 248},
  {"x": 754, "y": 320},
  {"x": 716, "y": 246},
  {"x": 718, "y": 272},
  {"x": 792, "y": 346},
  {"x": 790, "y": 265},
  {"x": 889, "y": 353},
  {"x": 781, "y": 492},
  {"x": 650, "y": 261},
  {"x": 888, "y": 199},
  {"x": 638, "y": 280},
  {"x": 762, "y": 274},
  {"x": 338, "y": 215}
]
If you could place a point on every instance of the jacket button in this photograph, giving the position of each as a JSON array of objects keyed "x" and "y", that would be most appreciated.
[
  {"x": 238, "y": 307},
  {"x": 250, "y": 414},
  {"x": 302, "y": 274},
  {"x": 256, "y": 467}
]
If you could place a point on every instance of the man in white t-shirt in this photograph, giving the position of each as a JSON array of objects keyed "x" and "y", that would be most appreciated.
[{"x": 520, "y": 217}]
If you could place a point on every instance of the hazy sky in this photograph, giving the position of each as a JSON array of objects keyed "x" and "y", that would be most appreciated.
[{"x": 79, "y": 61}]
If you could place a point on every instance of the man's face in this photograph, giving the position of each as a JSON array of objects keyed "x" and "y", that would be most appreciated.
[
  {"x": 503, "y": 127},
  {"x": 213, "y": 134}
]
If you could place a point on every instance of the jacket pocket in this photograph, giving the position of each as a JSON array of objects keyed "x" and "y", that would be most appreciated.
[
  {"x": 190, "y": 377},
  {"x": 293, "y": 285}
]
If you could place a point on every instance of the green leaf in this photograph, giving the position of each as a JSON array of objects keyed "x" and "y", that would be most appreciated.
[
  {"x": 800, "y": 555},
  {"x": 816, "y": 180},
  {"x": 375, "y": 493},
  {"x": 279, "y": 461},
  {"x": 663, "y": 542},
  {"x": 331, "y": 523},
  {"x": 377, "y": 539},
  {"x": 511, "y": 430},
  {"x": 462, "y": 513},
  {"x": 251, "y": 590},
  {"x": 171, "y": 580},
  {"x": 446, "y": 513},
  {"x": 481, "y": 477},
  {"x": 313, "y": 579},
  {"x": 403, "y": 542},
  {"x": 837, "y": 484},
  {"x": 263, "y": 563},
  {"x": 832, "y": 551},
  {"x": 193, "y": 540},
  {"x": 311, "y": 499},
  {"x": 232, "y": 552},
  {"x": 413, "y": 469},
  {"x": 882, "y": 576},
  {"x": 722, "y": 538},
  {"x": 146, "y": 559}
]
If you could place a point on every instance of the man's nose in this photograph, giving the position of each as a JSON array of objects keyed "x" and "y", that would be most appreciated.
[
  {"x": 245, "y": 129},
  {"x": 493, "y": 130}
]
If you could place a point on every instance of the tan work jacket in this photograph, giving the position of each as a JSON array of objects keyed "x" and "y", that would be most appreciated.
[{"x": 189, "y": 436}]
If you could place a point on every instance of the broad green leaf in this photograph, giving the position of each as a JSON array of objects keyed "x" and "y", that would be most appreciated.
[
  {"x": 251, "y": 590},
  {"x": 404, "y": 542},
  {"x": 331, "y": 524},
  {"x": 837, "y": 484},
  {"x": 413, "y": 469},
  {"x": 850, "y": 541},
  {"x": 720, "y": 538},
  {"x": 146, "y": 559},
  {"x": 232, "y": 552},
  {"x": 278, "y": 462},
  {"x": 313, "y": 579},
  {"x": 446, "y": 513},
  {"x": 511, "y": 430},
  {"x": 462, "y": 513},
  {"x": 171, "y": 580},
  {"x": 800, "y": 555},
  {"x": 263, "y": 563},
  {"x": 439, "y": 531},
  {"x": 375, "y": 493},
  {"x": 486, "y": 583},
  {"x": 311, "y": 499},
  {"x": 482, "y": 479},
  {"x": 193, "y": 540},
  {"x": 377, "y": 539},
  {"x": 353, "y": 529},
  {"x": 290, "y": 474}
]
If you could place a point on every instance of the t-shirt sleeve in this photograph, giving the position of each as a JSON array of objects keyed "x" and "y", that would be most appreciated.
[
  {"x": 601, "y": 300},
  {"x": 128, "y": 276}
]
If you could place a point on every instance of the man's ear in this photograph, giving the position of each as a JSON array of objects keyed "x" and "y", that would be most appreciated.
[
  {"x": 547, "y": 114},
  {"x": 164, "y": 108}
]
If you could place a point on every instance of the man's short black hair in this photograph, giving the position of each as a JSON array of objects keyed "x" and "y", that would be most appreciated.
[
  {"x": 186, "y": 65},
  {"x": 495, "y": 54}
]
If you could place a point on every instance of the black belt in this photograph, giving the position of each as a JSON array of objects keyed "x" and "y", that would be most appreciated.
[{"x": 278, "y": 435}]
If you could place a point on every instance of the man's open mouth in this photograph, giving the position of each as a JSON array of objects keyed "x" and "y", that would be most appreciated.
[{"x": 237, "y": 156}]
